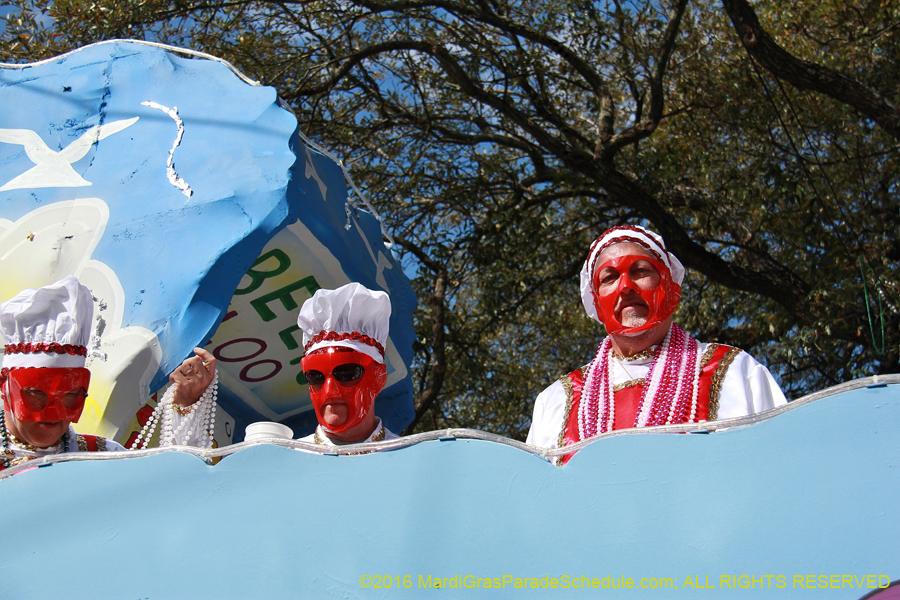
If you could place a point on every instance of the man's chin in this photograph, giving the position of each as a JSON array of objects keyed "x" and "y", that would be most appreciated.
[
  {"x": 44, "y": 434},
  {"x": 633, "y": 322},
  {"x": 631, "y": 334}
]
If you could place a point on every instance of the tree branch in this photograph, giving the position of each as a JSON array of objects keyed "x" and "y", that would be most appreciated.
[
  {"x": 437, "y": 303},
  {"x": 806, "y": 75},
  {"x": 487, "y": 16},
  {"x": 647, "y": 126}
]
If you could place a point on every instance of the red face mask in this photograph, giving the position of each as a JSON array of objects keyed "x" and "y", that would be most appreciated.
[
  {"x": 661, "y": 300},
  {"x": 354, "y": 377},
  {"x": 47, "y": 393}
]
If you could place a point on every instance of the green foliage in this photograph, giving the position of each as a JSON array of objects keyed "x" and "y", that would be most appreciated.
[{"x": 499, "y": 138}]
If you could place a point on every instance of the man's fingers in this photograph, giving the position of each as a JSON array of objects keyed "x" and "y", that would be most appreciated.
[
  {"x": 197, "y": 370},
  {"x": 205, "y": 359},
  {"x": 205, "y": 363},
  {"x": 204, "y": 355}
]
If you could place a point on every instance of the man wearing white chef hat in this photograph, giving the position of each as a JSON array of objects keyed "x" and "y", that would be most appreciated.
[
  {"x": 344, "y": 334},
  {"x": 44, "y": 382}
]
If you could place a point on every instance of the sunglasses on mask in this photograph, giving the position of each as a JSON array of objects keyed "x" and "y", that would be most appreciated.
[
  {"x": 346, "y": 373},
  {"x": 37, "y": 400}
]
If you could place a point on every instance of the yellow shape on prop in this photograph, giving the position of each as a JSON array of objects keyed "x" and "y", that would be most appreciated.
[{"x": 57, "y": 240}]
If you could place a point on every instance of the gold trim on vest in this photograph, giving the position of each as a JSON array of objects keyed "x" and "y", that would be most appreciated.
[
  {"x": 628, "y": 384},
  {"x": 715, "y": 384},
  {"x": 570, "y": 396}
]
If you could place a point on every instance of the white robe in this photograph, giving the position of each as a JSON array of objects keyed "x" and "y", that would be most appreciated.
[
  {"x": 747, "y": 388},
  {"x": 192, "y": 433}
]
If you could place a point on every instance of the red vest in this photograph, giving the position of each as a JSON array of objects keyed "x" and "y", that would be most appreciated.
[
  {"x": 90, "y": 443},
  {"x": 715, "y": 361}
]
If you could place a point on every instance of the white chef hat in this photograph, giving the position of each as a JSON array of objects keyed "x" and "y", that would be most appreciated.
[
  {"x": 625, "y": 233},
  {"x": 351, "y": 316},
  {"x": 49, "y": 326}
]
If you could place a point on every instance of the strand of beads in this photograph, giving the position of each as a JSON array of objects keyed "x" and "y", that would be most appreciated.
[
  {"x": 583, "y": 410},
  {"x": 684, "y": 409},
  {"x": 209, "y": 422},
  {"x": 669, "y": 393},
  {"x": 672, "y": 409},
  {"x": 696, "y": 385},
  {"x": 203, "y": 414},
  {"x": 681, "y": 384},
  {"x": 594, "y": 380},
  {"x": 684, "y": 406},
  {"x": 659, "y": 408},
  {"x": 671, "y": 387},
  {"x": 166, "y": 432},
  {"x": 6, "y": 450},
  {"x": 677, "y": 400},
  {"x": 606, "y": 418},
  {"x": 656, "y": 384},
  {"x": 143, "y": 438}
]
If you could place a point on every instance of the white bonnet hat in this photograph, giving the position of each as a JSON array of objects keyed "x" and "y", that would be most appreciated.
[
  {"x": 351, "y": 316},
  {"x": 625, "y": 233},
  {"x": 49, "y": 326}
]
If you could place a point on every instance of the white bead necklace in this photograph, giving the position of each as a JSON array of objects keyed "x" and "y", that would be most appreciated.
[{"x": 203, "y": 412}]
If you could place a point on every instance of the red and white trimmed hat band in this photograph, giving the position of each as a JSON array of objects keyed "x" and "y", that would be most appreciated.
[
  {"x": 351, "y": 316},
  {"x": 48, "y": 326},
  {"x": 649, "y": 240},
  {"x": 357, "y": 341},
  {"x": 44, "y": 355}
]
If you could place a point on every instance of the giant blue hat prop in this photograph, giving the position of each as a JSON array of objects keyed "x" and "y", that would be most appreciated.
[{"x": 184, "y": 195}]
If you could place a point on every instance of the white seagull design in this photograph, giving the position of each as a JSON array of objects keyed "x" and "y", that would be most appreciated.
[{"x": 54, "y": 169}]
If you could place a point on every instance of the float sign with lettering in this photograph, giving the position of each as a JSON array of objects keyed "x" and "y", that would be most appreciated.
[{"x": 259, "y": 346}]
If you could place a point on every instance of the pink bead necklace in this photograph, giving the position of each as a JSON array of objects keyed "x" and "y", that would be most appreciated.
[{"x": 669, "y": 392}]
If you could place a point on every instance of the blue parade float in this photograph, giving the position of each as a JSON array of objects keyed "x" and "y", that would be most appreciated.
[{"x": 797, "y": 502}]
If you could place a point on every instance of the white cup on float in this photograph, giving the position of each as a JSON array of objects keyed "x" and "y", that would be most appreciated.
[{"x": 266, "y": 430}]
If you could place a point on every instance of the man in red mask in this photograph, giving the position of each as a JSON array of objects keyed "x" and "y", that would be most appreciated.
[
  {"x": 344, "y": 332},
  {"x": 648, "y": 371},
  {"x": 43, "y": 380}
]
